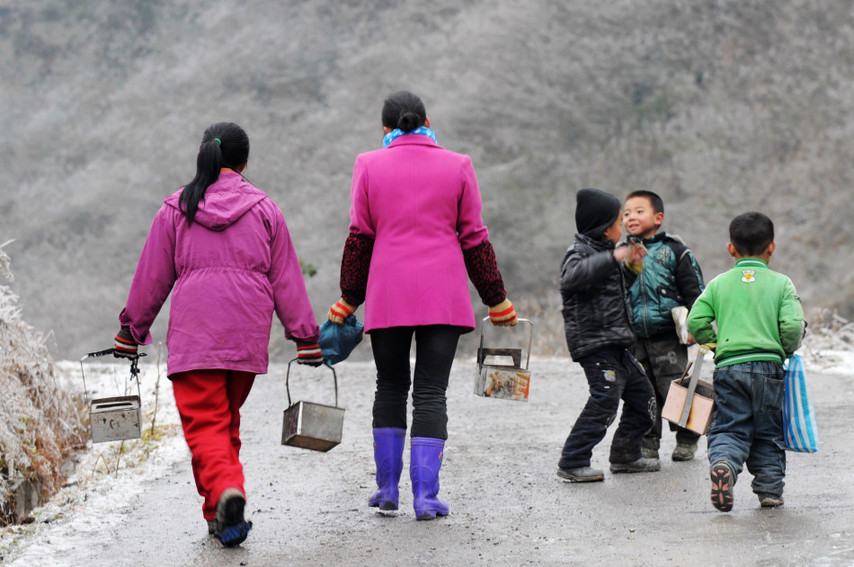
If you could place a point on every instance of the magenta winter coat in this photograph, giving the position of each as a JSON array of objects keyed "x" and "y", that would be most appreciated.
[
  {"x": 230, "y": 270},
  {"x": 421, "y": 203}
]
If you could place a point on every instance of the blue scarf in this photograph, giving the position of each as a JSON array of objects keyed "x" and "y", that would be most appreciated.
[{"x": 397, "y": 133}]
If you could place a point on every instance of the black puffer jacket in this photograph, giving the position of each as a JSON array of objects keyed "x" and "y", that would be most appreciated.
[{"x": 596, "y": 310}]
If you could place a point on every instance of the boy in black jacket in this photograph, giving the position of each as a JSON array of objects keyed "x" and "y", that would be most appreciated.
[{"x": 595, "y": 276}]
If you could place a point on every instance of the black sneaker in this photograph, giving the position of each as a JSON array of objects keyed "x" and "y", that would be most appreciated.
[
  {"x": 231, "y": 528},
  {"x": 581, "y": 474},
  {"x": 641, "y": 465},
  {"x": 723, "y": 482}
]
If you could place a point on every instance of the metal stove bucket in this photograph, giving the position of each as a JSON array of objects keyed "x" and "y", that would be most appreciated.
[
  {"x": 310, "y": 425},
  {"x": 503, "y": 381},
  {"x": 116, "y": 418}
]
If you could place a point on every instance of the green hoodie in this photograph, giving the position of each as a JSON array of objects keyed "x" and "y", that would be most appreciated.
[{"x": 757, "y": 311}]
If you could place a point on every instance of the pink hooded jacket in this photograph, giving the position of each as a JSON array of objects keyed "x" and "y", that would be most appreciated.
[
  {"x": 421, "y": 204},
  {"x": 230, "y": 270}
]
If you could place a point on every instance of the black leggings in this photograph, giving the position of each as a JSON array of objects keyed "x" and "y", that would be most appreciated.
[{"x": 435, "y": 348}]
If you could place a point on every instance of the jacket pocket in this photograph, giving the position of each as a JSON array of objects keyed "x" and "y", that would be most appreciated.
[{"x": 670, "y": 293}]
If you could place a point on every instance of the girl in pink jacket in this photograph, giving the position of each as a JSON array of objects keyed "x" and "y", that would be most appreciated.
[
  {"x": 416, "y": 236},
  {"x": 221, "y": 247}
]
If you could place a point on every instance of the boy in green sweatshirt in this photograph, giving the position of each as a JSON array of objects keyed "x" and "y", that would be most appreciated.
[{"x": 760, "y": 323}]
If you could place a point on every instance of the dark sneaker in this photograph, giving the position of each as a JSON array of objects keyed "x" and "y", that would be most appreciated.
[
  {"x": 649, "y": 453},
  {"x": 581, "y": 474},
  {"x": 643, "y": 464},
  {"x": 211, "y": 527},
  {"x": 684, "y": 452},
  {"x": 770, "y": 500},
  {"x": 723, "y": 482},
  {"x": 231, "y": 528}
]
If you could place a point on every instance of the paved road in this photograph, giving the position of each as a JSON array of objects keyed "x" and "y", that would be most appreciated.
[{"x": 507, "y": 505}]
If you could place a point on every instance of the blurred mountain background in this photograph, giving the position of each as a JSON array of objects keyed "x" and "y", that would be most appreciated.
[{"x": 719, "y": 106}]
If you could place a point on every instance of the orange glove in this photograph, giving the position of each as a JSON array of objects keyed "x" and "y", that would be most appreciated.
[
  {"x": 340, "y": 311},
  {"x": 503, "y": 314}
]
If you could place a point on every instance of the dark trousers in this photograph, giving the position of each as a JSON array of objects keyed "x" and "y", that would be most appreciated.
[
  {"x": 612, "y": 375},
  {"x": 435, "y": 348},
  {"x": 664, "y": 359}
]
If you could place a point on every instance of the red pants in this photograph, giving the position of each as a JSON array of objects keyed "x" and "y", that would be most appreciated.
[{"x": 209, "y": 404}]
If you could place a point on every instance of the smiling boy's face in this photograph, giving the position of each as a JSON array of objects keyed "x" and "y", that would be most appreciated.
[{"x": 640, "y": 219}]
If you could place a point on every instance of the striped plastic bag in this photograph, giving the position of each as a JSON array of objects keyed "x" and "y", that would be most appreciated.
[{"x": 799, "y": 426}]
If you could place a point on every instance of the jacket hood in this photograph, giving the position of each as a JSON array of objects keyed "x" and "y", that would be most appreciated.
[{"x": 225, "y": 201}]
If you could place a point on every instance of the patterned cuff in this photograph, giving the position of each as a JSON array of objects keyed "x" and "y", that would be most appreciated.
[
  {"x": 354, "y": 268},
  {"x": 482, "y": 268}
]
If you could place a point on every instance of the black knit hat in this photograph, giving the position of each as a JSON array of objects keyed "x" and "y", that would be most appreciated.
[{"x": 595, "y": 211}]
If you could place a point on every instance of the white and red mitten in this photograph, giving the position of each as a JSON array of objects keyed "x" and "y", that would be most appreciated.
[
  {"x": 340, "y": 311},
  {"x": 503, "y": 314}
]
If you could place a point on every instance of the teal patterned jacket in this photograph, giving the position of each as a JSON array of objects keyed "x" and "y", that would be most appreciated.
[{"x": 670, "y": 277}]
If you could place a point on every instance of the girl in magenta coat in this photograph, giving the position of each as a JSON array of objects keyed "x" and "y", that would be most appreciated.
[
  {"x": 416, "y": 236},
  {"x": 221, "y": 247}
]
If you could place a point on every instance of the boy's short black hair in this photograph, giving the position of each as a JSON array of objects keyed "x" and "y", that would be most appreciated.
[
  {"x": 654, "y": 199},
  {"x": 751, "y": 233}
]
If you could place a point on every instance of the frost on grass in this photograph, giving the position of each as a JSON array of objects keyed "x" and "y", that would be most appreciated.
[{"x": 41, "y": 423}]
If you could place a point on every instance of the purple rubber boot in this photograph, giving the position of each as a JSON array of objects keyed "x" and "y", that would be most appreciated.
[
  {"x": 424, "y": 465},
  {"x": 388, "y": 455}
]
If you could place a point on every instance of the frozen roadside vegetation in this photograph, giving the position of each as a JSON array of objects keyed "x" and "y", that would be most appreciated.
[
  {"x": 106, "y": 475},
  {"x": 41, "y": 423},
  {"x": 45, "y": 451}
]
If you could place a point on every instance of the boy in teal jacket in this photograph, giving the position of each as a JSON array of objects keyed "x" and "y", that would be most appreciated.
[
  {"x": 760, "y": 323},
  {"x": 670, "y": 278}
]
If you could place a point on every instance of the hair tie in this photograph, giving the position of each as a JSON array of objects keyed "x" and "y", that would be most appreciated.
[{"x": 218, "y": 141}]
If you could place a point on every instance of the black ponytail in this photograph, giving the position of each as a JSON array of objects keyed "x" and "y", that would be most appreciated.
[
  {"x": 224, "y": 144},
  {"x": 403, "y": 110}
]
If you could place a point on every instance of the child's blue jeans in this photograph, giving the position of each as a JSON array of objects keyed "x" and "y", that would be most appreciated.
[{"x": 747, "y": 424}]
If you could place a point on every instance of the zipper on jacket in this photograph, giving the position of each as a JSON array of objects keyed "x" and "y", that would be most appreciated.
[{"x": 645, "y": 309}]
